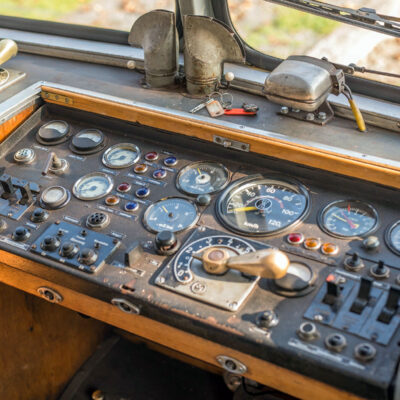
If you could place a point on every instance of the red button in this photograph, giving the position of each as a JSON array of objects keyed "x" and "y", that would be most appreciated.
[
  {"x": 124, "y": 187},
  {"x": 295, "y": 238},
  {"x": 151, "y": 156}
]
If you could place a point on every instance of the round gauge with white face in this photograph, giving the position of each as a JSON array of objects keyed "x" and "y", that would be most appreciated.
[
  {"x": 88, "y": 141},
  {"x": 262, "y": 205},
  {"x": 393, "y": 238},
  {"x": 121, "y": 155},
  {"x": 54, "y": 197},
  {"x": 54, "y": 132},
  {"x": 205, "y": 177},
  {"x": 348, "y": 218},
  {"x": 93, "y": 186},
  {"x": 173, "y": 214}
]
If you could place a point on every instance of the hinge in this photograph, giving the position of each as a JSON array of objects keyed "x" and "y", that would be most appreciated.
[
  {"x": 59, "y": 98},
  {"x": 231, "y": 144}
]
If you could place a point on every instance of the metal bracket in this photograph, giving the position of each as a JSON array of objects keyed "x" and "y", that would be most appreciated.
[
  {"x": 9, "y": 76},
  {"x": 49, "y": 294},
  {"x": 231, "y": 365},
  {"x": 125, "y": 306},
  {"x": 231, "y": 144},
  {"x": 57, "y": 98},
  {"x": 320, "y": 117}
]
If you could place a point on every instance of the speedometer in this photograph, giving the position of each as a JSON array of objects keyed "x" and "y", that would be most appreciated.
[{"x": 262, "y": 205}]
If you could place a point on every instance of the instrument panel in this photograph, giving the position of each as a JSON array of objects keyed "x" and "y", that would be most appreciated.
[{"x": 133, "y": 212}]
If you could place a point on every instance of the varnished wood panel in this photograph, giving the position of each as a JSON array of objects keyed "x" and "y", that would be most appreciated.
[
  {"x": 278, "y": 148},
  {"x": 41, "y": 345},
  {"x": 14, "y": 122},
  {"x": 261, "y": 371}
]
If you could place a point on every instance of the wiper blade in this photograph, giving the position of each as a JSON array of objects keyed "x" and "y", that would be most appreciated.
[{"x": 364, "y": 17}]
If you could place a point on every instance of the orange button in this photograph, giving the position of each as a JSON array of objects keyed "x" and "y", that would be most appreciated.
[
  {"x": 330, "y": 249},
  {"x": 312, "y": 243}
]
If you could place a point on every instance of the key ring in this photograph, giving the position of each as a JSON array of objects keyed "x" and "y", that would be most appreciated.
[{"x": 226, "y": 103}]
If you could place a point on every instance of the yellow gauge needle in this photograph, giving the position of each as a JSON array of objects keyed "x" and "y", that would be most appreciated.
[
  {"x": 165, "y": 209},
  {"x": 342, "y": 219},
  {"x": 198, "y": 170},
  {"x": 245, "y": 209}
]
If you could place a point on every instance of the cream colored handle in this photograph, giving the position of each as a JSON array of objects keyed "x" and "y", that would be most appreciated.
[
  {"x": 8, "y": 49},
  {"x": 267, "y": 263}
]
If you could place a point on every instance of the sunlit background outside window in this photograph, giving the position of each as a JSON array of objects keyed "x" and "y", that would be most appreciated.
[{"x": 270, "y": 28}]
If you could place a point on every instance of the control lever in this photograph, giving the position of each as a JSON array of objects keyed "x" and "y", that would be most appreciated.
[
  {"x": 8, "y": 49},
  {"x": 26, "y": 194},
  {"x": 267, "y": 263},
  {"x": 8, "y": 187},
  {"x": 391, "y": 306},
  {"x": 363, "y": 295},
  {"x": 54, "y": 164},
  {"x": 333, "y": 291}
]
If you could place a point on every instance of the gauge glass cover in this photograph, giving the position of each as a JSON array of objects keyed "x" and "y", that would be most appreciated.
[
  {"x": 262, "y": 205},
  {"x": 393, "y": 238},
  {"x": 88, "y": 140},
  {"x": 348, "y": 218},
  {"x": 53, "y": 131},
  {"x": 121, "y": 155},
  {"x": 54, "y": 197},
  {"x": 93, "y": 186},
  {"x": 173, "y": 214},
  {"x": 202, "y": 178}
]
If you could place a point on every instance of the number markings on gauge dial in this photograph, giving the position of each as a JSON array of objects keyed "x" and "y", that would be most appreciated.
[
  {"x": 121, "y": 155},
  {"x": 393, "y": 237}
]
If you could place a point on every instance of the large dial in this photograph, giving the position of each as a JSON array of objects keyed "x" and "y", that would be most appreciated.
[
  {"x": 348, "y": 218},
  {"x": 262, "y": 205},
  {"x": 173, "y": 214},
  {"x": 92, "y": 186},
  {"x": 393, "y": 237},
  {"x": 121, "y": 155},
  {"x": 202, "y": 178}
]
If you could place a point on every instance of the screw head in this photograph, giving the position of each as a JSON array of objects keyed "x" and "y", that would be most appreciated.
[{"x": 284, "y": 110}]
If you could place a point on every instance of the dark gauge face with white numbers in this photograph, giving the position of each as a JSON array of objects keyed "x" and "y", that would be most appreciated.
[
  {"x": 393, "y": 238},
  {"x": 202, "y": 178},
  {"x": 173, "y": 214},
  {"x": 348, "y": 218},
  {"x": 262, "y": 205}
]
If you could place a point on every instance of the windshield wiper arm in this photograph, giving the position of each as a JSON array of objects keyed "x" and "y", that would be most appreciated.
[{"x": 364, "y": 17}]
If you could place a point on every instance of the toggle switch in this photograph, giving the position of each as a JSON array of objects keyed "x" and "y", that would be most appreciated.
[
  {"x": 363, "y": 296},
  {"x": 380, "y": 270},
  {"x": 391, "y": 306}
]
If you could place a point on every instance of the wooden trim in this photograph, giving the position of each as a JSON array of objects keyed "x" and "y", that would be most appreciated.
[
  {"x": 14, "y": 122},
  {"x": 281, "y": 149},
  {"x": 261, "y": 371}
]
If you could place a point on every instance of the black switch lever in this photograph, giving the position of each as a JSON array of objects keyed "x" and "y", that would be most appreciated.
[
  {"x": 333, "y": 291},
  {"x": 391, "y": 306},
  {"x": 363, "y": 296},
  {"x": 8, "y": 187},
  {"x": 26, "y": 194}
]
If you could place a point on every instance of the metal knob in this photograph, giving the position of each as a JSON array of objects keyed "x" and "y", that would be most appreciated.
[
  {"x": 266, "y": 263},
  {"x": 8, "y": 49}
]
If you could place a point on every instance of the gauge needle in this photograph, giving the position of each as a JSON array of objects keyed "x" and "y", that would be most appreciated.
[
  {"x": 245, "y": 209},
  {"x": 165, "y": 209},
  {"x": 198, "y": 170},
  {"x": 347, "y": 220}
]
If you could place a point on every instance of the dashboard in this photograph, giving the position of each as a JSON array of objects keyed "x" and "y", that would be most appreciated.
[{"x": 127, "y": 210}]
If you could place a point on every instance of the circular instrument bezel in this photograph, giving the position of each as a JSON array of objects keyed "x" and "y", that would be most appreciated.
[
  {"x": 129, "y": 146},
  {"x": 388, "y": 237},
  {"x": 250, "y": 180},
  {"x": 65, "y": 200},
  {"x": 93, "y": 150},
  {"x": 93, "y": 174},
  {"x": 197, "y": 164},
  {"x": 151, "y": 206},
  {"x": 325, "y": 229},
  {"x": 58, "y": 141}
]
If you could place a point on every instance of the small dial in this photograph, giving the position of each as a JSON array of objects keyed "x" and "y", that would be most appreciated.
[
  {"x": 52, "y": 133},
  {"x": 93, "y": 186},
  {"x": 202, "y": 178},
  {"x": 88, "y": 141},
  {"x": 393, "y": 238},
  {"x": 184, "y": 263},
  {"x": 262, "y": 205},
  {"x": 54, "y": 197},
  {"x": 173, "y": 214},
  {"x": 348, "y": 218},
  {"x": 121, "y": 155}
]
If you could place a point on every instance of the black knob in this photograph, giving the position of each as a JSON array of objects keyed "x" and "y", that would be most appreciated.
[
  {"x": 203, "y": 200},
  {"x": 50, "y": 243},
  {"x": 380, "y": 270},
  {"x": 166, "y": 243},
  {"x": 88, "y": 256},
  {"x": 69, "y": 249},
  {"x": 21, "y": 233},
  {"x": 39, "y": 215}
]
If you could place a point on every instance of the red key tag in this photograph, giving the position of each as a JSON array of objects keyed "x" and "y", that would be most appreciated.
[
  {"x": 215, "y": 108},
  {"x": 239, "y": 111}
]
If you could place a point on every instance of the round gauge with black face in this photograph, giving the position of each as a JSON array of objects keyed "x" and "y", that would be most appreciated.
[
  {"x": 88, "y": 141},
  {"x": 52, "y": 133},
  {"x": 121, "y": 155},
  {"x": 93, "y": 186},
  {"x": 205, "y": 177},
  {"x": 348, "y": 219},
  {"x": 173, "y": 214},
  {"x": 393, "y": 238},
  {"x": 262, "y": 205}
]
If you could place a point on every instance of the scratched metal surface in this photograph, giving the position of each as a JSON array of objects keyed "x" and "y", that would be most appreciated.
[{"x": 126, "y": 83}]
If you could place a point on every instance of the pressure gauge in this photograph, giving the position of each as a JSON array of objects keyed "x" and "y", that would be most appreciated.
[
  {"x": 93, "y": 186},
  {"x": 88, "y": 141},
  {"x": 121, "y": 155},
  {"x": 52, "y": 133},
  {"x": 54, "y": 197}
]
